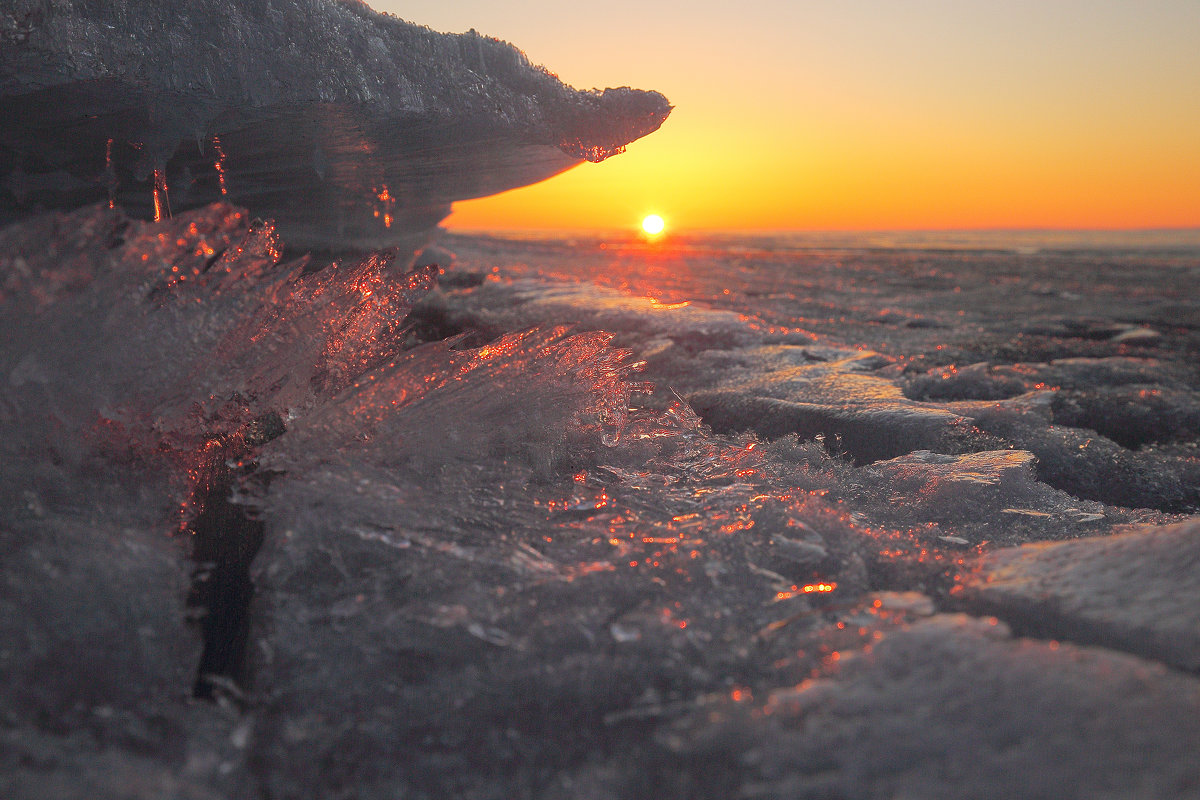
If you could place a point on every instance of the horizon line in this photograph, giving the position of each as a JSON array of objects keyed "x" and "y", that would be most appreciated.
[{"x": 674, "y": 231}]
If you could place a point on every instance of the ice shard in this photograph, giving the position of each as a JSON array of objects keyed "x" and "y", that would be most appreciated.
[{"x": 350, "y": 128}]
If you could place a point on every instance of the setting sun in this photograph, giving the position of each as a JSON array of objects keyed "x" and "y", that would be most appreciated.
[{"x": 653, "y": 224}]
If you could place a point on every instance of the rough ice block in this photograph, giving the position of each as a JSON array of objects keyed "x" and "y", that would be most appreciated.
[{"x": 351, "y": 129}]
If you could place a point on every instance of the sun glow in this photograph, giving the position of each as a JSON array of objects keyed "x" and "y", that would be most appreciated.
[{"x": 653, "y": 224}]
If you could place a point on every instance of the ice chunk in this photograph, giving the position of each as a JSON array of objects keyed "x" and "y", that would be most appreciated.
[
  {"x": 953, "y": 707},
  {"x": 194, "y": 324},
  {"x": 348, "y": 127},
  {"x": 1134, "y": 591},
  {"x": 525, "y": 397},
  {"x": 497, "y": 306},
  {"x": 1086, "y": 464},
  {"x": 1134, "y": 415},
  {"x": 968, "y": 490},
  {"x": 839, "y": 400}
]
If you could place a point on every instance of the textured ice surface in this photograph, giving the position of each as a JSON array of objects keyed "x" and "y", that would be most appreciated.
[
  {"x": 1135, "y": 591},
  {"x": 502, "y": 555},
  {"x": 210, "y": 331},
  {"x": 993, "y": 494},
  {"x": 881, "y": 354},
  {"x": 140, "y": 360},
  {"x": 350, "y": 128},
  {"x": 954, "y": 707},
  {"x": 771, "y": 389}
]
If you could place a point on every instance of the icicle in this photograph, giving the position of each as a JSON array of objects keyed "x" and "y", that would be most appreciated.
[
  {"x": 110, "y": 175},
  {"x": 162, "y": 203}
]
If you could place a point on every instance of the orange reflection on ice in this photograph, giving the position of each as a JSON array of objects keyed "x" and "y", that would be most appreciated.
[
  {"x": 657, "y": 304},
  {"x": 578, "y": 503},
  {"x": 808, "y": 588},
  {"x": 162, "y": 205},
  {"x": 737, "y": 525},
  {"x": 219, "y": 164},
  {"x": 387, "y": 202}
]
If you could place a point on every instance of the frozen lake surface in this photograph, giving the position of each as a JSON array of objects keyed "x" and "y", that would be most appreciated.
[
  {"x": 287, "y": 515},
  {"x": 597, "y": 517}
]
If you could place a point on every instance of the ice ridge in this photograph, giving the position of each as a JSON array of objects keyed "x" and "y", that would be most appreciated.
[{"x": 353, "y": 129}]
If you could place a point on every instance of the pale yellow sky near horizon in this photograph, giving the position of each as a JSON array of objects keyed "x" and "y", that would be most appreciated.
[{"x": 867, "y": 115}]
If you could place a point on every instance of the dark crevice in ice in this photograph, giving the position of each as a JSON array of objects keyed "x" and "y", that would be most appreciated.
[
  {"x": 117, "y": 236},
  {"x": 225, "y": 540},
  {"x": 1089, "y": 466},
  {"x": 932, "y": 578},
  {"x": 934, "y": 387},
  {"x": 862, "y": 440},
  {"x": 432, "y": 323},
  {"x": 213, "y": 259}
]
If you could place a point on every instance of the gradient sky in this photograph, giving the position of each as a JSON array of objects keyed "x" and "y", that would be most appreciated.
[{"x": 866, "y": 115}]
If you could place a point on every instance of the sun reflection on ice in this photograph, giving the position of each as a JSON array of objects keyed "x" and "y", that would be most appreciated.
[{"x": 386, "y": 203}]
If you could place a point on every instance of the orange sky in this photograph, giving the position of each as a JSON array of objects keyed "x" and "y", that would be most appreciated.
[{"x": 867, "y": 115}]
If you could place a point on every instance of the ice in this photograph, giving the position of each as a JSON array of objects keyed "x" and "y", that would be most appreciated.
[
  {"x": 349, "y": 128},
  {"x": 529, "y": 396},
  {"x": 211, "y": 329},
  {"x": 953, "y": 707},
  {"x": 1091, "y": 466},
  {"x": 495, "y": 306},
  {"x": 720, "y": 360},
  {"x": 771, "y": 369},
  {"x": 961, "y": 492},
  {"x": 691, "y": 517},
  {"x": 508, "y": 545},
  {"x": 839, "y": 400},
  {"x": 1134, "y": 591}
]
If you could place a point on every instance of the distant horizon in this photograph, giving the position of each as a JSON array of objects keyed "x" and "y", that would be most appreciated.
[
  {"x": 1018, "y": 239},
  {"x": 633, "y": 230},
  {"x": 993, "y": 229}
]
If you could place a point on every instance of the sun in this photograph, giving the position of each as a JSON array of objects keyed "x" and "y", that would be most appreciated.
[{"x": 653, "y": 224}]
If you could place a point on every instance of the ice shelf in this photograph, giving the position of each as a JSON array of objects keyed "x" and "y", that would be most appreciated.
[{"x": 352, "y": 129}]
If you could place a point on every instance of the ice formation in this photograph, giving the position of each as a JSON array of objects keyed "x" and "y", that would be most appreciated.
[
  {"x": 613, "y": 519},
  {"x": 476, "y": 539},
  {"x": 1133, "y": 591},
  {"x": 349, "y": 128}
]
